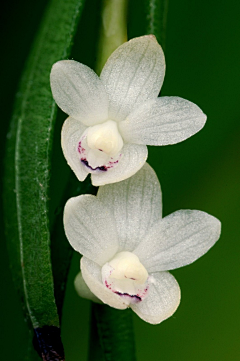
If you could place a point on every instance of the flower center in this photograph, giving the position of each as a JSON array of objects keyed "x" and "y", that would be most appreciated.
[
  {"x": 105, "y": 137},
  {"x": 126, "y": 276}
]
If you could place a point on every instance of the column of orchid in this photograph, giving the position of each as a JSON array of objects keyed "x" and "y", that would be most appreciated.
[{"x": 127, "y": 247}]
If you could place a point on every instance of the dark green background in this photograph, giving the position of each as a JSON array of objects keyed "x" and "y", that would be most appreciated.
[{"x": 202, "y": 56}]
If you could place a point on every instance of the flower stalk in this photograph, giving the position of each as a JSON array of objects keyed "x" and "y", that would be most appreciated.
[
  {"x": 112, "y": 334},
  {"x": 156, "y": 19},
  {"x": 114, "y": 329},
  {"x": 113, "y": 30}
]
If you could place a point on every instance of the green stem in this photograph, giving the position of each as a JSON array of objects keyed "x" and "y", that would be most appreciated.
[
  {"x": 115, "y": 332},
  {"x": 112, "y": 335},
  {"x": 113, "y": 30},
  {"x": 96, "y": 351},
  {"x": 156, "y": 19}
]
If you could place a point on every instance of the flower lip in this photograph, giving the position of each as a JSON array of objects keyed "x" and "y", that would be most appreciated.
[
  {"x": 105, "y": 138},
  {"x": 126, "y": 276},
  {"x": 100, "y": 147}
]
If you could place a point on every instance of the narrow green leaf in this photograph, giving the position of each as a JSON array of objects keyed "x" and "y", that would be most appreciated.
[{"x": 27, "y": 163}]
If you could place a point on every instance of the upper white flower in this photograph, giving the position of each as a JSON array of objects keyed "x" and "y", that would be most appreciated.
[
  {"x": 127, "y": 246},
  {"x": 113, "y": 118}
]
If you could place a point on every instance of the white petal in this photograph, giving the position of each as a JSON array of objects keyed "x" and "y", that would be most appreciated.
[
  {"x": 132, "y": 158},
  {"x": 90, "y": 228},
  {"x": 72, "y": 132},
  {"x": 136, "y": 204},
  {"x": 162, "y": 121},
  {"x": 179, "y": 239},
  {"x": 83, "y": 290},
  {"x": 91, "y": 273},
  {"x": 79, "y": 92},
  {"x": 162, "y": 300},
  {"x": 133, "y": 74}
]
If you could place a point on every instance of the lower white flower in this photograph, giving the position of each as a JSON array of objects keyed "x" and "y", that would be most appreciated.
[{"x": 128, "y": 247}]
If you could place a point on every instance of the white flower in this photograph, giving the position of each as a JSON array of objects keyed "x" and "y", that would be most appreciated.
[
  {"x": 127, "y": 247},
  {"x": 113, "y": 118}
]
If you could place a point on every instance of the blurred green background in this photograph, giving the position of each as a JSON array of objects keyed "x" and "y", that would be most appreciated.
[{"x": 202, "y": 57}]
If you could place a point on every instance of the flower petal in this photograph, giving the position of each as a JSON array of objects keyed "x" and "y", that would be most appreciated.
[
  {"x": 133, "y": 74},
  {"x": 178, "y": 239},
  {"x": 83, "y": 290},
  {"x": 136, "y": 205},
  {"x": 162, "y": 300},
  {"x": 72, "y": 132},
  {"x": 162, "y": 121},
  {"x": 79, "y": 92},
  {"x": 133, "y": 157},
  {"x": 91, "y": 273},
  {"x": 90, "y": 228}
]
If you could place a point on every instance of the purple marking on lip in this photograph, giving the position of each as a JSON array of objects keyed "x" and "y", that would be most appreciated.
[
  {"x": 80, "y": 148},
  {"x": 102, "y": 168},
  {"x": 131, "y": 278},
  {"x": 138, "y": 298}
]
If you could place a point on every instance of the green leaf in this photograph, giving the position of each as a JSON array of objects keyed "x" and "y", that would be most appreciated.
[{"x": 27, "y": 165}]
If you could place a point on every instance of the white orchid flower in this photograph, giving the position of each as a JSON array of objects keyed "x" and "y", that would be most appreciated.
[
  {"x": 128, "y": 247},
  {"x": 113, "y": 118}
]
